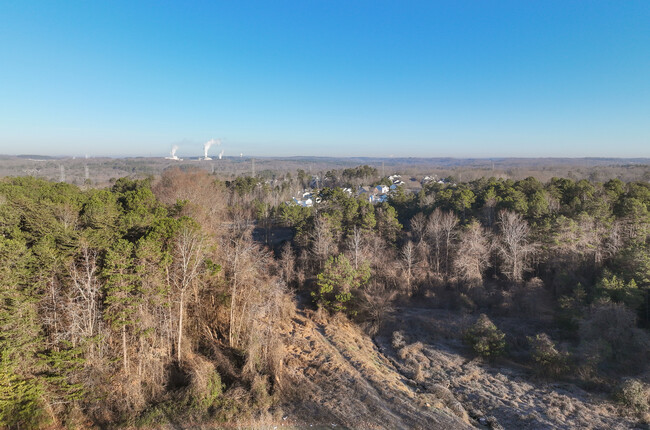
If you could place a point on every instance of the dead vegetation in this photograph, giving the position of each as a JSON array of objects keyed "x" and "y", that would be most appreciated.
[
  {"x": 498, "y": 395},
  {"x": 187, "y": 316},
  {"x": 336, "y": 374}
]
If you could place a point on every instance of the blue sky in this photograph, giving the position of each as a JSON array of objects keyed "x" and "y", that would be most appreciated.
[{"x": 342, "y": 78}]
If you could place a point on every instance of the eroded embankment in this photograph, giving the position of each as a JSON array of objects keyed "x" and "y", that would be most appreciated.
[
  {"x": 337, "y": 376},
  {"x": 495, "y": 396}
]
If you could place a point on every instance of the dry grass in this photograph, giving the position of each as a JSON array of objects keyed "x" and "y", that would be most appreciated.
[
  {"x": 338, "y": 376},
  {"x": 499, "y": 395}
]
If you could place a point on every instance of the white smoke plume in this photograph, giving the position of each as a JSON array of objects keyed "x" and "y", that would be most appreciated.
[
  {"x": 207, "y": 146},
  {"x": 172, "y": 154},
  {"x": 221, "y": 154}
]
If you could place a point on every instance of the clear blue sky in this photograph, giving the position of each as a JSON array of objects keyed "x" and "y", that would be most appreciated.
[{"x": 309, "y": 77}]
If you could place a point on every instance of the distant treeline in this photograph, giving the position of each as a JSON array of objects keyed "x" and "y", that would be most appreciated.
[{"x": 101, "y": 170}]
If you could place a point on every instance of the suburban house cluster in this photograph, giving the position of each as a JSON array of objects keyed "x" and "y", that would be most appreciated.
[{"x": 376, "y": 194}]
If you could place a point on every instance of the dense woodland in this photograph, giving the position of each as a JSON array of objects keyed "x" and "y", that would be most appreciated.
[{"x": 168, "y": 296}]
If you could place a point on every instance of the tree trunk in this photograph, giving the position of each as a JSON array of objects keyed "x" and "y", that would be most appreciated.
[
  {"x": 124, "y": 354},
  {"x": 232, "y": 304},
  {"x": 180, "y": 326}
]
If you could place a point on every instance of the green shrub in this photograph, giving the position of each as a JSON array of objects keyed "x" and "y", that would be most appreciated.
[
  {"x": 634, "y": 394},
  {"x": 337, "y": 283},
  {"x": 485, "y": 338},
  {"x": 213, "y": 392},
  {"x": 20, "y": 401},
  {"x": 206, "y": 392},
  {"x": 550, "y": 361}
]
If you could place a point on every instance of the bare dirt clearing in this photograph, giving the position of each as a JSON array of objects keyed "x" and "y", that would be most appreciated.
[
  {"x": 337, "y": 376},
  {"x": 497, "y": 396}
]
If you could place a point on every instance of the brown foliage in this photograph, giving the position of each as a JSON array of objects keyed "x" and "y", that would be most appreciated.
[
  {"x": 207, "y": 199},
  {"x": 609, "y": 338}
]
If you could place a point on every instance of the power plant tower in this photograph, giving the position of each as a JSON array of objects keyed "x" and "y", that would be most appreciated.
[
  {"x": 207, "y": 146},
  {"x": 172, "y": 154}
]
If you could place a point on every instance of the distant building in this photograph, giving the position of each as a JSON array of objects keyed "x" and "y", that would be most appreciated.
[
  {"x": 305, "y": 203},
  {"x": 378, "y": 198}
]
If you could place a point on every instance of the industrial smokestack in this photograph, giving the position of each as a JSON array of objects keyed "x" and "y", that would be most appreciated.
[
  {"x": 172, "y": 154},
  {"x": 207, "y": 146}
]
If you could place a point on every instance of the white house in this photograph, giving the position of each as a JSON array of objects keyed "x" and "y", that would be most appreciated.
[
  {"x": 378, "y": 198},
  {"x": 306, "y": 203},
  {"x": 381, "y": 189}
]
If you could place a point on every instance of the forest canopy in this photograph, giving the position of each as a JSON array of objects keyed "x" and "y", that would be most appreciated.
[{"x": 117, "y": 303}]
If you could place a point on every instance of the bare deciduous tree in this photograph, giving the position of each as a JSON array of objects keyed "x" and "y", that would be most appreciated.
[
  {"x": 440, "y": 232},
  {"x": 287, "y": 263},
  {"x": 207, "y": 200},
  {"x": 449, "y": 221},
  {"x": 322, "y": 241},
  {"x": 514, "y": 246},
  {"x": 614, "y": 239},
  {"x": 473, "y": 255},
  {"x": 418, "y": 227},
  {"x": 84, "y": 297},
  {"x": 408, "y": 262},
  {"x": 189, "y": 256},
  {"x": 355, "y": 244},
  {"x": 241, "y": 269},
  {"x": 435, "y": 236}
]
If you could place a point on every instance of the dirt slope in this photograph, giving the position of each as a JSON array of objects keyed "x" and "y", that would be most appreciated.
[
  {"x": 497, "y": 396},
  {"x": 337, "y": 376}
]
